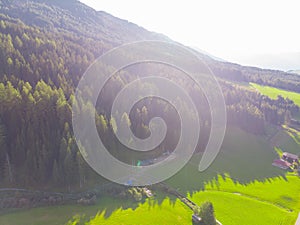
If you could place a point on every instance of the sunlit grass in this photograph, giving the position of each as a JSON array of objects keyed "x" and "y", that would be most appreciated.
[
  {"x": 148, "y": 213},
  {"x": 294, "y": 134},
  {"x": 60, "y": 215},
  {"x": 288, "y": 140},
  {"x": 256, "y": 203},
  {"x": 274, "y": 92},
  {"x": 233, "y": 209},
  {"x": 284, "y": 193},
  {"x": 275, "y": 202}
]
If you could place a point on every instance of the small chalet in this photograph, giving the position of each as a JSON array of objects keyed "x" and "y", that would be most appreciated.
[
  {"x": 281, "y": 164},
  {"x": 288, "y": 161},
  {"x": 291, "y": 158}
]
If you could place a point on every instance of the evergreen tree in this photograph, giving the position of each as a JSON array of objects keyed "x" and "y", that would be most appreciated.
[{"x": 56, "y": 174}]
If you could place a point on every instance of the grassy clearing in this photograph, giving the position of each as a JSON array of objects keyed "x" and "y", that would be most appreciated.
[
  {"x": 276, "y": 201},
  {"x": 288, "y": 140},
  {"x": 245, "y": 157},
  {"x": 294, "y": 134},
  {"x": 59, "y": 215},
  {"x": 159, "y": 210},
  {"x": 284, "y": 193},
  {"x": 256, "y": 203},
  {"x": 149, "y": 213},
  {"x": 274, "y": 92},
  {"x": 233, "y": 209}
]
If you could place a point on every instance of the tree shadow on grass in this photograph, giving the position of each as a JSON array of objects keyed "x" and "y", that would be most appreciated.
[
  {"x": 108, "y": 206},
  {"x": 244, "y": 158}
]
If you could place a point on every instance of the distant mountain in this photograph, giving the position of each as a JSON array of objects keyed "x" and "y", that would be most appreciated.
[
  {"x": 283, "y": 61},
  {"x": 294, "y": 71}
]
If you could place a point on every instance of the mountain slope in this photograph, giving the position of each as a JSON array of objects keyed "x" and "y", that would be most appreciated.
[
  {"x": 46, "y": 46},
  {"x": 73, "y": 16}
]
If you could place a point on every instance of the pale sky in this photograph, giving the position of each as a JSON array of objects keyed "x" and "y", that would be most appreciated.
[{"x": 240, "y": 31}]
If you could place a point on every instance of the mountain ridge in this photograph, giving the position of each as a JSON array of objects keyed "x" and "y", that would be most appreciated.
[
  {"x": 74, "y": 16},
  {"x": 82, "y": 21}
]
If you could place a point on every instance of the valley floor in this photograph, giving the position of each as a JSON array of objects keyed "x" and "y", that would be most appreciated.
[{"x": 242, "y": 184}]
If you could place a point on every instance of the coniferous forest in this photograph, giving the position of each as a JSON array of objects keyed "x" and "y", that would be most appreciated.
[{"x": 45, "y": 47}]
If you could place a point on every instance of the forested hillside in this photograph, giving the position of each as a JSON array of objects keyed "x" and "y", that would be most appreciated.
[{"x": 46, "y": 46}]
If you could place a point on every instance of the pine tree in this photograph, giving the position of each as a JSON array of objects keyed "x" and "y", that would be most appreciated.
[
  {"x": 2, "y": 152},
  {"x": 70, "y": 169},
  {"x": 56, "y": 174},
  {"x": 81, "y": 169}
]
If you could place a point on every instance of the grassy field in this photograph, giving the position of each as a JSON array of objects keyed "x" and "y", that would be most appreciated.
[
  {"x": 234, "y": 209},
  {"x": 274, "y": 92},
  {"x": 242, "y": 185},
  {"x": 234, "y": 205},
  {"x": 245, "y": 157},
  {"x": 284, "y": 193},
  {"x": 167, "y": 212},
  {"x": 159, "y": 210},
  {"x": 60, "y": 215},
  {"x": 287, "y": 139},
  {"x": 256, "y": 203}
]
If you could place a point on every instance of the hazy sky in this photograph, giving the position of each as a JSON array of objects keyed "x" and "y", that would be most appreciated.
[{"x": 236, "y": 30}]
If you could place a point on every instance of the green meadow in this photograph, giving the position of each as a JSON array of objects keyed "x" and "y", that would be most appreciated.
[
  {"x": 234, "y": 209},
  {"x": 234, "y": 204},
  {"x": 241, "y": 183},
  {"x": 274, "y": 92}
]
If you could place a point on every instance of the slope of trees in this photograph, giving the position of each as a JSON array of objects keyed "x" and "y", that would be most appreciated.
[
  {"x": 274, "y": 78},
  {"x": 41, "y": 64}
]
